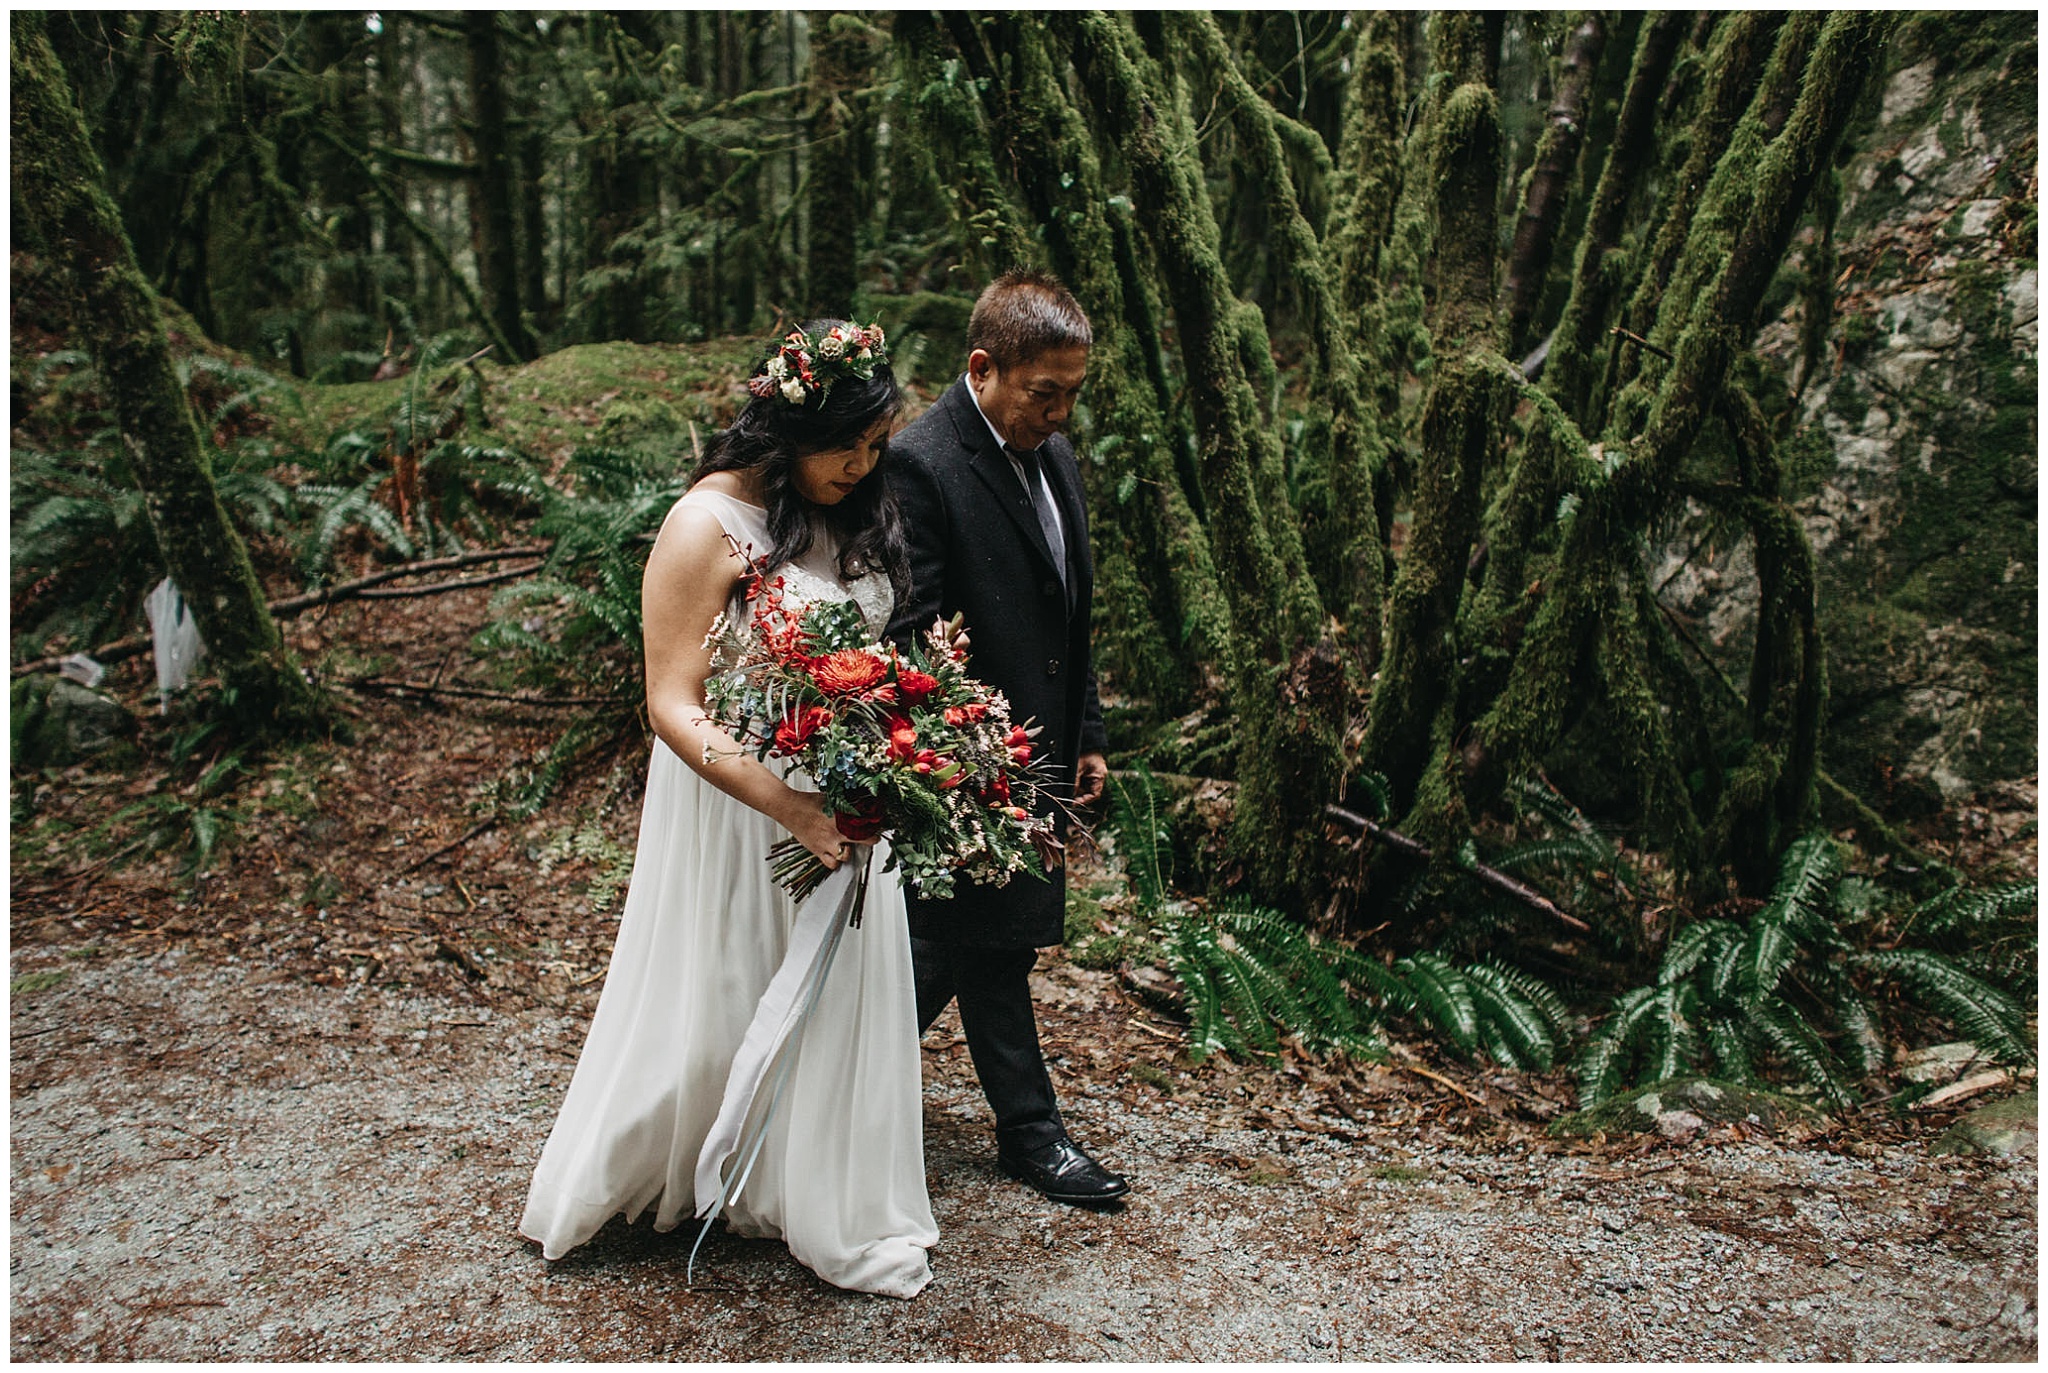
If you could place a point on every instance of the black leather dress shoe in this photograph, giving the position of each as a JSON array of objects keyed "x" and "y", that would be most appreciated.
[{"x": 1063, "y": 1172}]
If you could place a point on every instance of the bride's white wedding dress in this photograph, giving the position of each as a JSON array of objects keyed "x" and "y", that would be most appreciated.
[{"x": 840, "y": 1178}]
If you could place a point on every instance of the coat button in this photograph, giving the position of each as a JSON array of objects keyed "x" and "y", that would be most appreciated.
[{"x": 1052, "y": 668}]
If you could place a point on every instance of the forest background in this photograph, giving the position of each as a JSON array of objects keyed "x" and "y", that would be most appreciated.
[{"x": 1562, "y": 484}]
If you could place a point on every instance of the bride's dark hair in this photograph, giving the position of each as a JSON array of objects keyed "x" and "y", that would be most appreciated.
[{"x": 769, "y": 438}]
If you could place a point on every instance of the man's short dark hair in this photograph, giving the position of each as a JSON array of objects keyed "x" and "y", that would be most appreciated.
[{"x": 1023, "y": 314}]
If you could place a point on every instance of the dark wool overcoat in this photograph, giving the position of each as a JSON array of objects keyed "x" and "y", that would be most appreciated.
[{"x": 976, "y": 549}]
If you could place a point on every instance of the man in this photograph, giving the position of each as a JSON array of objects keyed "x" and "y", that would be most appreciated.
[{"x": 998, "y": 532}]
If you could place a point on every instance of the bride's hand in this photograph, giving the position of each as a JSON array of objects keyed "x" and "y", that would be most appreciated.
[{"x": 817, "y": 830}]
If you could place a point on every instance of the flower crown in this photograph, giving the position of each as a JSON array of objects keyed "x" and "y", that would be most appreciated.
[{"x": 806, "y": 365}]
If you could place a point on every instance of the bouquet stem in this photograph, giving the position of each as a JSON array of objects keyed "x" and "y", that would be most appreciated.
[{"x": 798, "y": 871}]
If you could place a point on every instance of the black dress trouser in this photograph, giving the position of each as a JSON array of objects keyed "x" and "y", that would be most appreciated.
[{"x": 993, "y": 987}]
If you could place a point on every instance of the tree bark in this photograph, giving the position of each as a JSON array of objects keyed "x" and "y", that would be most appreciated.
[
  {"x": 1286, "y": 679},
  {"x": 1353, "y": 585},
  {"x": 1747, "y": 213},
  {"x": 1159, "y": 610},
  {"x": 1550, "y": 178},
  {"x": 496, "y": 179},
  {"x": 844, "y": 53},
  {"x": 1570, "y": 372},
  {"x": 1461, "y": 425},
  {"x": 57, "y": 181}
]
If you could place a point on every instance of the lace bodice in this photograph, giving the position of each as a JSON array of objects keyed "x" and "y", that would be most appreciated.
[{"x": 812, "y": 578}]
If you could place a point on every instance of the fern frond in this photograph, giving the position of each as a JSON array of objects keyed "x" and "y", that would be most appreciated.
[
  {"x": 1786, "y": 1031},
  {"x": 1988, "y": 1017},
  {"x": 1443, "y": 997},
  {"x": 1518, "y": 1035},
  {"x": 1729, "y": 1048},
  {"x": 1598, "y": 1068},
  {"x": 1958, "y": 907},
  {"x": 1540, "y": 853}
]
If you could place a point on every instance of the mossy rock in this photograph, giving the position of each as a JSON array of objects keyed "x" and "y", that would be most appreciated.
[
  {"x": 2012, "y": 1126},
  {"x": 1683, "y": 1105},
  {"x": 53, "y": 722}
]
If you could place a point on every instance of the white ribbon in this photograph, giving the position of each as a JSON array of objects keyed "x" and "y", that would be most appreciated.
[{"x": 779, "y": 1019}]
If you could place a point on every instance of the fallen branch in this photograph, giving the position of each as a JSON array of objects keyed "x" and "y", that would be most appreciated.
[
  {"x": 340, "y": 591},
  {"x": 1492, "y": 877},
  {"x": 477, "y": 693},
  {"x": 449, "y": 847},
  {"x": 1438, "y": 1078},
  {"x": 1639, "y": 341},
  {"x": 456, "y": 584},
  {"x": 1959, "y": 1091}
]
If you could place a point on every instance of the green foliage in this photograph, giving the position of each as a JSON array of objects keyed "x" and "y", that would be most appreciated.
[
  {"x": 82, "y": 554},
  {"x": 1251, "y": 975},
  {"x": 1785, "y": 992},
  {"x": 577, "y": 625},
  {"x": 1143, "y": 837}
]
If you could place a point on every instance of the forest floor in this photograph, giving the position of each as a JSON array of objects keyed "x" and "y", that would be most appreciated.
[{"x": 289, "y": 1111}]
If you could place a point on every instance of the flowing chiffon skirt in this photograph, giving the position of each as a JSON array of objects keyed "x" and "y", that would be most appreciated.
[{"x": 840, "y": 1178}]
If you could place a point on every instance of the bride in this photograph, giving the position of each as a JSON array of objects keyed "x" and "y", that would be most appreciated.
[{"x": 840, "y": 1177}]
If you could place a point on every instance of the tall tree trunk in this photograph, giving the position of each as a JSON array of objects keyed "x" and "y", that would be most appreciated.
[
  {"x": 1353, "y": 586},
  {"x": 1570, "y": 373},
  {"x": 1550, "y": 178},
  {"x": 844, "y": 54},
  {"x": 1287, "y": 678},
  {"x": 1461, "y": 421},
  {"x": 1747, "y": 214},
  {"x": 496, "y": 179},
  {"x": 531, "y": 138},
  {"x": 57, "y": 181},
  {"x": 1159, "y": 611},
  {"x": 1751, "y": 49}
]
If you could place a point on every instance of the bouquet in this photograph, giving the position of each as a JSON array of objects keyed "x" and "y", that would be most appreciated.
[{"x": 907, "y": 745}]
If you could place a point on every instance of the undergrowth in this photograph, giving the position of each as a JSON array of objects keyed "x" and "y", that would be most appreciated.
[{"x": 1810, "y": 990}]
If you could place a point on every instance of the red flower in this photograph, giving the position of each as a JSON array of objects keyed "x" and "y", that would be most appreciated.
[
  {"x": 902, "y": 739},
  {"x": 914, "y": 686},
  {"x": 1016, "y": 736},
  {"x": 863, "y": 823},
  {"x": 847, "y": 671},
  {"x": 796, "y": 730},
  {"x": 997, "y": 792},
  {"x": 1022, "y": 754}
]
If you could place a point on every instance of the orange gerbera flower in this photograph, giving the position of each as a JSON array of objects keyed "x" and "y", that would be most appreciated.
[{"x": 847, "y": 671}]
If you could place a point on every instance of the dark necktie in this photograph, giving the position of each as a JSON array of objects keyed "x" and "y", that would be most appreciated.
[{"x": 1041, "y": 501}]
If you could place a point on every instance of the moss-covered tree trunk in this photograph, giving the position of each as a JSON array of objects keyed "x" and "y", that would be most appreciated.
[
  {"x": 1160, "y": 614},
  {"x": 495, "y": 183},
  {"x": 1572, "y": 367},
  {"x": 1550, "y": 177},
  {"x": 844, "y": 54},
  {"x": 1346, "y": 425},
  {"x": 1760, "y": 187},
  {"x": 1286, "y": 675},
  {"x": 57, "y": 184},
  {"x": 1462, "y": 415}
]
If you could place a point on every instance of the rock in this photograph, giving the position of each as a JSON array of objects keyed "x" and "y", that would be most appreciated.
[
  {"x": 2012, "y": 1126},
  {"x": 54, "y": 722},
  {"x": 1938, "y": 1062},
  {"x": 1683, "y": 1106}
]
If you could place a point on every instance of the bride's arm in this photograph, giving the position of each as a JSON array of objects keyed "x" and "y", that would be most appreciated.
[{"x": 690, "y": 576}]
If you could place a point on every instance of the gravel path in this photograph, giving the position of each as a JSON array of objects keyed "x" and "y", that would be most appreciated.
[{"x": 210, "y": 1165}]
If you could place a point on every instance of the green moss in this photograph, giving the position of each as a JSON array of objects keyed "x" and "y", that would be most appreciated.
[{"x": 565, "y": 399}]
